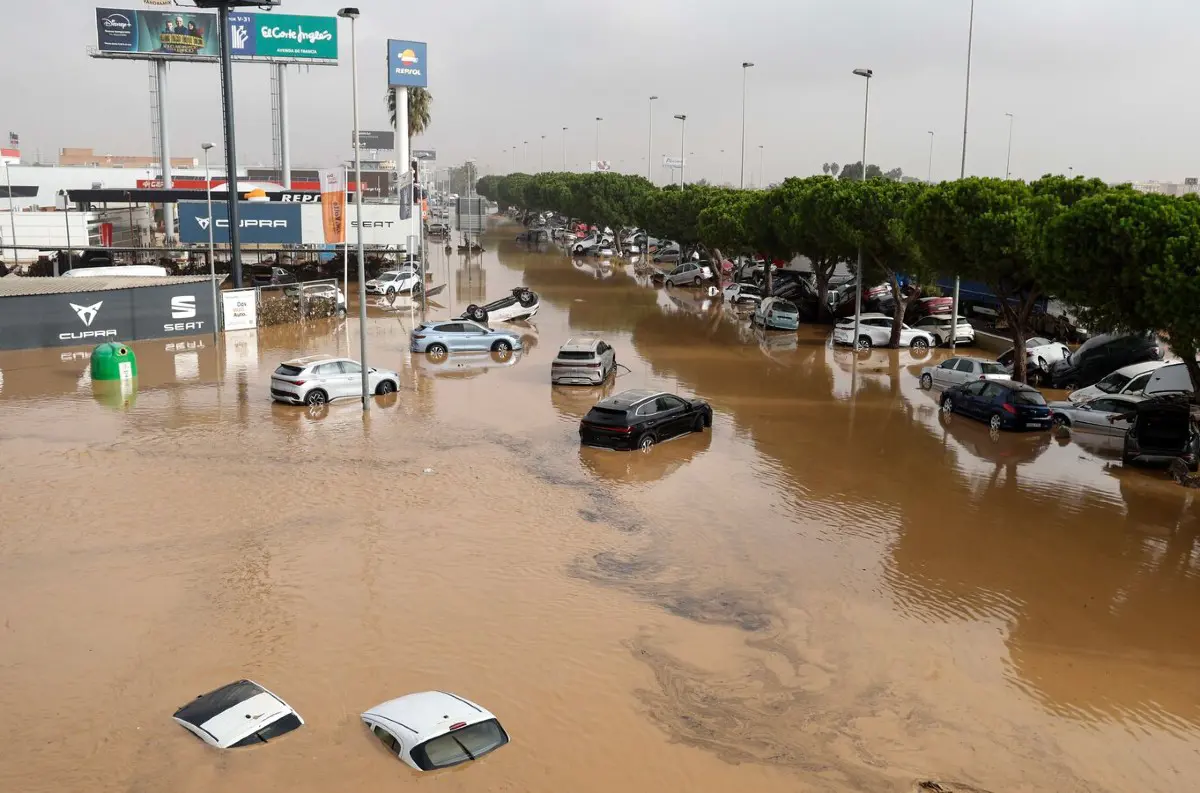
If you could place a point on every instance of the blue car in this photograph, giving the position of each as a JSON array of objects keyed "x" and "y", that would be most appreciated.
[
  {"x": 775, "y": 313},
  {"x": 461, "y": 335},
  {"x": 1003, "y": 404}
]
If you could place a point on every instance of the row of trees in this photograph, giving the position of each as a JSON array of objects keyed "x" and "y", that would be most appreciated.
[{"x": 1130, "y": 261}]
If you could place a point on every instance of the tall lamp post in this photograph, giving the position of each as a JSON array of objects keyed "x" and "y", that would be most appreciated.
[
  {"x": 929, "y": 173},
  {"x": 1008, "y": 161},
  {"x": 762, "y": 177},
  {"x": 650, "y": 144},
  {"x": 352, "y": 15},
  {"x": 524, "y": 155},
  {"x": 962, "y": 172},
  {"x": 746, "y": 65},
  {"x": 598, "y": 120},
  {"x": 564, "y": 149},
  {"x": 212, "y": 256},
  {"x": 542, "y": 167},
  {"x": 682, "y": 148},
  {"x": 858, "y": 278}
]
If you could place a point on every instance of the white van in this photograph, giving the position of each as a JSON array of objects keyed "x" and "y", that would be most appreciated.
[{"x": 127, "y": 270}]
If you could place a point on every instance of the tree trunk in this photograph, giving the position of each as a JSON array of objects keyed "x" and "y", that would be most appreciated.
[
  {"x": 901, "y": 306},
  {"x": 821, "y": 274},
  {"x": 1018, "y": 319}
]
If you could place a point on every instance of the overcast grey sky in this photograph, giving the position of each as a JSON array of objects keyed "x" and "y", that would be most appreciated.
[{"x": 1101, "y": 85}]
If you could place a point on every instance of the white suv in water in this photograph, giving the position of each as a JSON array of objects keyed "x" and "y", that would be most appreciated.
[{"x": 319, "y": 379}]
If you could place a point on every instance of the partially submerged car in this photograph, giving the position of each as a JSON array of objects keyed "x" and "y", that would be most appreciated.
[
  {"x": 954, "y": 371},
  {"x": 689, "y": 274},
  {"x": 583, "y": 361},
  {"x": 741, "y": 293},
  {"x": 1127, "y": 381},
  {"x": 435, "y": 729},
  {"x": 775, "y": 313},
  {"x": 638, "y": 419},
  {"x": 523, "y": 303},
  {"x": 319, "y": 379},
  {"x": 1104, "y": 415},
  {"x": 404, "y": 281},
  {"x": 1002, "y": 404},
  {"x": 1099, "y": 356},
  {"x": 239, "y": 714},
  {"x": 1162, "y": 429},
  {"x": 875, "y": 330},
  {"x": 939, "y": 326},
  {"x": 440, "y": 338}
]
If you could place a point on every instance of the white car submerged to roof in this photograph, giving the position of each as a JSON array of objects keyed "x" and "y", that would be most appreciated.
[
  {"x": 238, "y": 714},
  {"x": 435, "y": 729}
]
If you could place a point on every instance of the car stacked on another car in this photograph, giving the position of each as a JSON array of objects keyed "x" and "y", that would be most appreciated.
[
  {"x": 955, "y": 371},
  {"x": 1099, "y": 356},
  {"x": 319, "y": 379},
  {"x": 1002, "y": 404},
  {"x": 1127, "y": 381},
  {"x": 638, "y": 419},
  {"x": 583, "y": 361}
]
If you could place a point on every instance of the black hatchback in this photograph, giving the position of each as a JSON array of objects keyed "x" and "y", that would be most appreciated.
[
  {"x": 639, "y": 419},
  {"x": 1003, "y": 404}
]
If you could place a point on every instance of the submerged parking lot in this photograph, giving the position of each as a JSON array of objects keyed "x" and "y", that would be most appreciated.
[{"x": 834, "y": 588}]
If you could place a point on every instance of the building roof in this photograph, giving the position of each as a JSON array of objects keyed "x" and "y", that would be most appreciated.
[{"x": 19, "y": 286}]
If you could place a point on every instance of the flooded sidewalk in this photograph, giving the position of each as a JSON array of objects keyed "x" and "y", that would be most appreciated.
[{"x": 836, "y": 588}]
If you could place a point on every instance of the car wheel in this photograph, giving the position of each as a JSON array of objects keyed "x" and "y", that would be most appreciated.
[
  {"x": 919, "y": 344},
  {"x": 578, "y": 249},
  {"x": 1041, "y": 362},
  {"x": 501, "y": 345},
  {"x": 646, "y": 442},
  {"x": 417, "y": 289},
  {"x": 927, "y": 382},
  {"x": 476, "y": 313},
  {"x": 391, "y": 291},
  {"x": 1059, "y": 420},
  {"x": 385, "y": 387},
  {"x": 995, "y": 422},
  {"x": 437, "y": 352},
  {"x": 696, "y": 281},
  {"x": 316, "y": 397},
  {"x": 698, "y": 424},
  {"x": 864, "y": 343},
  {"x": 1034, "y": 378},
  {"x": 947, "y": 405}
]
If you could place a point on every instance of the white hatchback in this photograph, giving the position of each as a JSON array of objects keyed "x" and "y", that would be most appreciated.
[
  {"x": 238, "y": 714},
  {"x": 953, "y": 371},
  {"x": 434, "y": 729}
]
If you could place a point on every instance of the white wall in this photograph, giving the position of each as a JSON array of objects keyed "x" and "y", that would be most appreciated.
[
  {"x": 384, "y": 226},
  {"x": 47, "y": 230}
]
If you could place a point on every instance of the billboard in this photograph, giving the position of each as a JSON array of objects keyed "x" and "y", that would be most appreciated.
[
  {"x": 269, "y": 223},
  {"x": 380, "y": 140},
  {"x": 283, "y": 36},
  {"x": 406, "y": 64},
  {"x": 164, "y": 33},
  {"x": 194, "y": 35}
]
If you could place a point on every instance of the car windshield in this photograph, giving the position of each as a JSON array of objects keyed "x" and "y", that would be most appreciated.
[
  {"x": 273, "y": 730},
  {"x": 987, "y": 367},
  {"x": 1028, "y": 398},
  {"x": 387, "y": 277},
  {"x": 459, "y": 746},
  {"x": 1113, "y": 383}
]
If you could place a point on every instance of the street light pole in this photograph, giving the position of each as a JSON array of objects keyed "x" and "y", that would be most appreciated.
[
  {"x": 212, "y": 256},
  {"x": 235, "y": 241},
  {"x": 762, "y": 177},
  {"x": 352, "y": 15},
  {"x": 525, "y": 155},
  {"x": 962, "y": 173},
  {"x": 742, "y": 160},
  {"x": 858, "y": 280},
  {"x": 1008, "y": 162},
  {"x": 650, "y": 144},
  {"x": 929, "y": 173},
  {"x": 598, "y": 120},
  {"x": 682, "y": 149},
  {"x": 542, "y": 166},
  {"x": 564, "y": 149}
]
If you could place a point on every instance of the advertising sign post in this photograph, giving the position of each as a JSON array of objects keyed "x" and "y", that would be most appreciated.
[
  {"x": 407, "y": 68},
  {"x": 194, "y": 35},
  {"x": 258, "y": 223},
  {"x": 333, "y": 206}
]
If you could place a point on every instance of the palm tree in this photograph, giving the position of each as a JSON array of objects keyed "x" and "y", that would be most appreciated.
[{"x": 419, "y": 101}]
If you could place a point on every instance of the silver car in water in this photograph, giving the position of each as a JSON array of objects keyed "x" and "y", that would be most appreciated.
[{"x": 583, "y": 361}]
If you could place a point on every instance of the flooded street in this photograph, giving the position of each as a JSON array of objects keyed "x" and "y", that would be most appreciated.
[{"x": 836, "y": 589}]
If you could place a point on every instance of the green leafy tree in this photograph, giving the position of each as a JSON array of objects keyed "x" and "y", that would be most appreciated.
[
  {"x": 420, "y": 101},
  {"x": 854, "y": 171},
  {"x": 985, "y": 230},
  {"x": 804, "y": 214},
  {"x": 1132, "y": 262}
]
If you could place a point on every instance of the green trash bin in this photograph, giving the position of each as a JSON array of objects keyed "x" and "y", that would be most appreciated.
[{"x": 113, "y": 361}]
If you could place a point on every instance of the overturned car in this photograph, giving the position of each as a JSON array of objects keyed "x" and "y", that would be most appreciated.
[{"x": 523, "y": 303}]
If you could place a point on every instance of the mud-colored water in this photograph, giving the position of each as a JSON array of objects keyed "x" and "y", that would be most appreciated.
[{"x": 833, "y": 590}]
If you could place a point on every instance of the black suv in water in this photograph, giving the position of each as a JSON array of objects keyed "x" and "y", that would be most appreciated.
[
  {"x": 639, "y": 419},
  {"x": 1099, "y": 356}
]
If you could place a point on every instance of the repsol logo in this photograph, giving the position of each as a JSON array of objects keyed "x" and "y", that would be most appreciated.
[{"x": 297, "y": 198}]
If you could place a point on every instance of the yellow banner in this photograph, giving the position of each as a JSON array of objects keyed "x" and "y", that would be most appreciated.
[{"x": 333, "y": 205}]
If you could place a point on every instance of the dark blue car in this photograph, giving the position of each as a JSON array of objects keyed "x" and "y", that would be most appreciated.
[{"x": 1002, "y": 404}]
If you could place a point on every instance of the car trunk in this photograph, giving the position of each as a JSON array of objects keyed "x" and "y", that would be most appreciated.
[
  {"x": 1164, "y": 430},
  {"x": 573, "y": 363}
]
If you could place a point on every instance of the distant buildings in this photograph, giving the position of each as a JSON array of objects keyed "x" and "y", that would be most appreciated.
[
  {"x": 88, "y": 157},
  {"x": 1189, "y": 185}
]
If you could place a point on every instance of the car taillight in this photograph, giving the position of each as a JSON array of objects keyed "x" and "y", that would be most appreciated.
[
  {"x": 1009, "y": 408},
  {"x": 418, "y": 335},
  {"x": 295, "y": 382}
]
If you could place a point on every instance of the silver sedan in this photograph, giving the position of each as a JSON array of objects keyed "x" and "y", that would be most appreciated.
[{"x": 1098, "y": 416}]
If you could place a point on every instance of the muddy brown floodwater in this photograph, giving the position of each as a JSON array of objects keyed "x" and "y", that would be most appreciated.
[{"x": 833, "y": 590}]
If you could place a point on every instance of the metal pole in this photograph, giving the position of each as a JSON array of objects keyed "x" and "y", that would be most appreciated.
[
  {"x": 650, "y": 145},
  {"x": 345, "y": 243},
  {"x": 235, "y": 243},
  {"x": 742, "y": 159},
  {"x": 1008, "y": 161},
  {"x": 929, "y": 174},
  {"x": 564, "y": 142},
  {"x": 762, "y": 176},
  {"x": 164, "y": 151},
  {"x": 212, "y": 255},
  {"x": 285, "y": 150},
  {"x": 12, "y": 217},
  {"x": 542, "y": 167},
  {"x": 67, "y": 215},
  {"x": 682, "y": 150},
  {"x": 358, "y": 191},
  {"x": 858, "y": 279},
  {"x": 962, "y": 173}
]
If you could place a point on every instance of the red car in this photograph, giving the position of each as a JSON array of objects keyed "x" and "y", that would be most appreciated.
[{"x": 933, "y": 305}]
